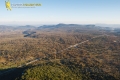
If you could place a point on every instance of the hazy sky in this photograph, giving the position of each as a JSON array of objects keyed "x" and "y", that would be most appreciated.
[{"x": 62, "y": 11}]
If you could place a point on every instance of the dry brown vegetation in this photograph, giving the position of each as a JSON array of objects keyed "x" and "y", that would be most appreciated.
[{"x": 98, "y": 56}]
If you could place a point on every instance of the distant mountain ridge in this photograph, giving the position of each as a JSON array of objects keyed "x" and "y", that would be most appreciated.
[
  {"x": 11, "y": 28},
  {"x": 64, "y": 25},
  {"x": 61, "y": 28},
  {"x": 61, "y": 25}
]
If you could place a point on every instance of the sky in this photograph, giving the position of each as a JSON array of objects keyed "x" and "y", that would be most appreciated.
[{"x": 62, "y": 11}]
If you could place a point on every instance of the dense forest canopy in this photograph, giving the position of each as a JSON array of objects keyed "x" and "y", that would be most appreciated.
[{"x": 66, "y": 52}]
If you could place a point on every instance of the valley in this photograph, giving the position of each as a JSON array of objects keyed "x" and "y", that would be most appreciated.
[{"x": 85, "y": 52}]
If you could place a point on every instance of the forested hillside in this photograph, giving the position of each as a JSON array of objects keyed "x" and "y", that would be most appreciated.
[{"x": 96, "y": 55}]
